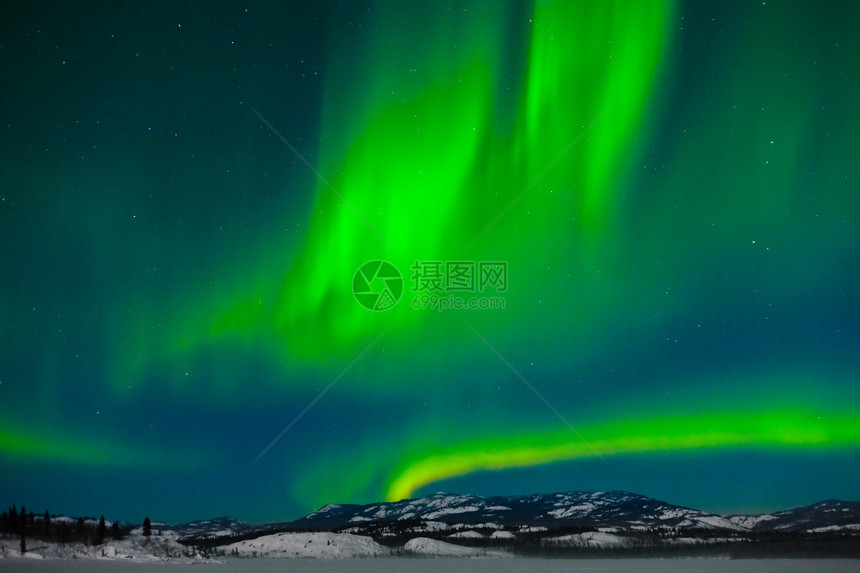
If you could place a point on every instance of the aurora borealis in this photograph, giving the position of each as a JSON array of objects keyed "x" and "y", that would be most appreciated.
[{"x": 188, "y": 191}]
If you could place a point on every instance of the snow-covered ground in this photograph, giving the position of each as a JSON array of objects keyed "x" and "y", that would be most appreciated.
[
  {"x": 503, "y": 535},
  {"x": 468, "y": 534},
  {"x": 589, "y": 539},
  {"x": 841, "y": 528},
  {"x": 451, "y": 565},
  {"x": 166, "y": 548},
  {"x": 750, "y": 521},
  {"x": 434, "y": 548},
  {"x": 136, "y": 547}
]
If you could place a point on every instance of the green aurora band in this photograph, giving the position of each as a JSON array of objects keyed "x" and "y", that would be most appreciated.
[
  {"x": 429, "y": 147},
  {"x": 803, "y": 420},
  {"x": 26, "y": 445},
  {"x": 794, "y": 428},
  {"x": 422, "y": 154}
]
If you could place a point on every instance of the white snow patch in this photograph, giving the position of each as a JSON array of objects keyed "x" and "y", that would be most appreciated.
[
  {"x": 432, "y": 526},
  {"x": 452, "y": 511},
  {"x": 359, "y": 518},
  {"x": 503, "y": 535},
  {"x": 487, "y": 525},
  {"x": 717, "y": 521},
  {"x": 589, "y": 539},
  {"x": 302, "y": 545},
  {"x": 563, "y": 512},
  {"x": 435, "y": 548},
  {"x": 848, "y": 527},
  {"x": 750, "y": 521},
  {"x": 470, "y": 534}
]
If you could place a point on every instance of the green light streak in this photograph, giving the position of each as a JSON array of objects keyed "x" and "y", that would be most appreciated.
[
  {"x": 416, "y": 148},
  {"x": 588, "y": 61},
  {"x": 708, "y": 417},
  {"x": 28, "y": 446},
  {"x": 769, "y": 429}
]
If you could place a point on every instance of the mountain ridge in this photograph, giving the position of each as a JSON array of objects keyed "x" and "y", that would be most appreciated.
[{"x": 610, "y": 510}]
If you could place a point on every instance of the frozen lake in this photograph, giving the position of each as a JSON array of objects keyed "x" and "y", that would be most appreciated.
[{"x": 449, "y": 565}]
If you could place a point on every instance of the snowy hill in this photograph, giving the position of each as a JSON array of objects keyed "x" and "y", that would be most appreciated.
[
  {"x": 302, "y": 545},
  {"x": 831, "y": 515},
  {"x": 593, "y": 509},
  {"x": 427, "y": 547}
]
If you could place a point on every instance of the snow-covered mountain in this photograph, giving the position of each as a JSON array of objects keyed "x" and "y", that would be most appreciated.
[
  {"x": 830, "y": 515},
  {"x": 614, "y": 509},
  {"x": 474, "y": 517}
]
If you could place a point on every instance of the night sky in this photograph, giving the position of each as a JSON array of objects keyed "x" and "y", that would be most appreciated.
[{"x": 188, "y": 189}]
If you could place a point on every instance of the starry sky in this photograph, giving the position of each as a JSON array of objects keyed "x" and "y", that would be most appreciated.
[{"x": 188, "y": 189}]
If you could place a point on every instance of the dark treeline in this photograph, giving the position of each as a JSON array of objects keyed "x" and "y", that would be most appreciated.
[
  {"x": 783, "y": 546},
  {"x": 46, "y": 527}
]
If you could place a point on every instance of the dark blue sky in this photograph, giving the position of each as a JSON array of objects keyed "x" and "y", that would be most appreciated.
[{"x": 187, "y": 190}]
